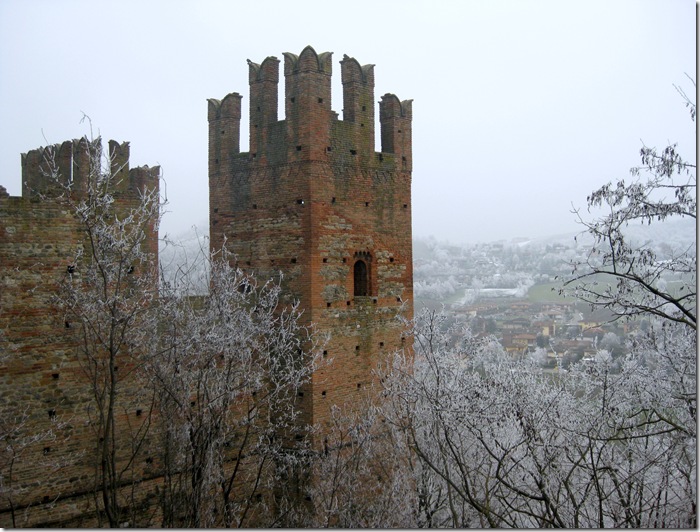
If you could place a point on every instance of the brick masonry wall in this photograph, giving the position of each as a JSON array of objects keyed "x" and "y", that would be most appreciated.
[{"x": 44, "y": 389}]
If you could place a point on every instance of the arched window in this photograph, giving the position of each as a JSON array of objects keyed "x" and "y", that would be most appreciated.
[{"x": 361, "y": 278}]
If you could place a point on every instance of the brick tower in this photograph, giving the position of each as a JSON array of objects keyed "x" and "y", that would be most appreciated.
[{"x": 313, "y": 200}]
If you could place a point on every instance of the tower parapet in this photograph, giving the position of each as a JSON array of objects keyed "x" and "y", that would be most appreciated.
[
  {"x": 396, "y": 117},
  {"x": 50, "y": 170},
  {"x": 226, "y": 114},
  {"x": 130, "y": 183},
  {"x": 119, "y": 163},
  {"x": 54, "y": 170},
  {"x": 224, "y": 132},
  {"x": 358, "y": 101},
  {"x": 310, "y": 130},
  {"x": 308, "y": 103},
  {"x": 264, "y": 81}
]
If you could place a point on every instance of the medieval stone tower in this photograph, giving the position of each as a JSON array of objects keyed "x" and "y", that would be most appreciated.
[{"x": 313, "y": 200}]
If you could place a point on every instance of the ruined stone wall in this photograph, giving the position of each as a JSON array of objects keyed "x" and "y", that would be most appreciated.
[
  {"x": 311, "y": 199},
  {"x": 46, "y": 399}
]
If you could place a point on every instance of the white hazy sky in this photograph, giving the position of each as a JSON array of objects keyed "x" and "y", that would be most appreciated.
[{"x": 521, "y": 108}]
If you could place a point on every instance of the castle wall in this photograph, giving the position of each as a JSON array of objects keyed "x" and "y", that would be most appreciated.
[{"x": 45, "y": 392}]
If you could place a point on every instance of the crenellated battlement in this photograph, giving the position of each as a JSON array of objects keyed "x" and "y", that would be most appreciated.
[
  {"x": 71, "y": 166},
  {"x": 229, "y": 107},
  {"x": 396, "y": 118},
  {"x": 263, "y": 79},
  {"x": 268, "y": 70},
  {"x": 358, "y": 101},
  {"x": 310, "y": 130},
  {"x": 308, "y": 61},
  {"x": 354, "y": 72},
  {"x": 50, "y": 170},
  {"x": 392, "y": 107}
]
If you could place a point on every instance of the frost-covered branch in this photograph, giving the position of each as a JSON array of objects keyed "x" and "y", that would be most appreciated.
[
  {"x": 231, "y": 365},
  {"x": 625, "y": 277}
]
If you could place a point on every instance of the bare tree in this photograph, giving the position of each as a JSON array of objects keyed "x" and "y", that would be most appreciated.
[
  {"x": 107, "y": 296},
  {"x": 362, "y": 476},
  {"x": 511, "y": 446},
  {"x": 231, "y": 367},
  {"x": 630, "y": 279}
]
